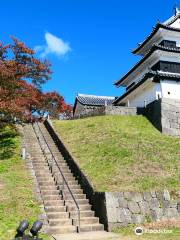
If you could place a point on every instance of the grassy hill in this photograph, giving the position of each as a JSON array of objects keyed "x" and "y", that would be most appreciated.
[
  {"x": 16, "y": 187},
  {"x": 123, "y": 152}
]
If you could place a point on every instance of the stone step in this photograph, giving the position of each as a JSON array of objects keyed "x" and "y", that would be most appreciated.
[
  {"x": 76, "y": 186},
  {"x": 39, "y": 161},
  {"x": 71, "y": 182},
  {"x": 74, "y": 191},
  {"x": 91, "y": 227},
  {"x": 46, "y": 183},
  {"x": 54, "y": 202},
  {"x": 44, "y": 187},
  {"x": 68, "y": 178},
  {"x": 82, "y": 208},
  {"x": 52, "y": 197},
  {"x": 55, "y": 209},
  {"x": 77, "y": 196},
  {"x": 42, "y": 172},
  {"x": 40, "y": 165},
  {"x": 60, "y": 221},
  {"x": 46, "y": 172},
  {"x": 62, "y": 229},
  {"x": 62, "y": 163},
  {"x": 69, "y": 174},
  {"x": 60, "y": 159},
  {"x": 45, "y": 176},
  {"x": 79, "y": 201},
  {"x": 74, "y": 214},
  {"x": 85, "y": 220},
  {"x": 41, "y": 168},
  {"x": 50, "y": 192},
  {"x": 64, "y": 169}
]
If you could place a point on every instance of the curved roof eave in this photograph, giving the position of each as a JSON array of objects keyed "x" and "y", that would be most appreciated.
[
  {"x": 157, "y": 76},
  {"x": 153, "y": 49},
  {"x": 155, "y": 30}
]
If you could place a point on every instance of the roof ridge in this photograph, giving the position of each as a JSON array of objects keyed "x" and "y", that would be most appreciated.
[
  {"x": 173, "y": 18},
  {"x": 94, "y": 96}
]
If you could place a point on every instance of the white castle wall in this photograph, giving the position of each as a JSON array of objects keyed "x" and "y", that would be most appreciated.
[
  {"x": 170, "y": 89},
  {"x": 146, "y": 95}
]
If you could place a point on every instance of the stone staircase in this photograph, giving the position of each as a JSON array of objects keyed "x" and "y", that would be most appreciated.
[{"x": 60, "y": 208}]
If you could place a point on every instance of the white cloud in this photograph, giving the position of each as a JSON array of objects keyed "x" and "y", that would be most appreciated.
[{"x": 54, "y": 45}]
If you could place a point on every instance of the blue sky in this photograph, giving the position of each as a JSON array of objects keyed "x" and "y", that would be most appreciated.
[{"x": 88, "y": 42}]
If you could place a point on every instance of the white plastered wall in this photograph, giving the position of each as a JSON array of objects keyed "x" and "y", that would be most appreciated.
[
  {"x": 170, "y": 89},
  {"x": 146, "y": 95}
]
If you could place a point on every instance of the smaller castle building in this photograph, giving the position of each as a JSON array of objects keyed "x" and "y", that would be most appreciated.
[{"x": 86, "y": 105}]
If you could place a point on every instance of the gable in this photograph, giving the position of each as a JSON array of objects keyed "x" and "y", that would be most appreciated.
[{"x": 176, "y": 23}]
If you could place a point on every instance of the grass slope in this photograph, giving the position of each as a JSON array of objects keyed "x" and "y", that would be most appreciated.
[
  {"x": 123, "y": 152},
  {"x": 170, "y": 232},
  {"x": 16, "y": 194}
]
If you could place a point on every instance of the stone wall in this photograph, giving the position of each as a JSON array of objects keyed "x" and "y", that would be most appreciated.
[
  {"x": 164, "y": 115},
  {"x": 125, "y": 208},
  {"x": 153, "y": 113},
  {"x": 87, "y": 111},
  {"x": 170, "y": 116},
  {"x": 122, "y": 208},
  {"x": 119, "y": 110}
]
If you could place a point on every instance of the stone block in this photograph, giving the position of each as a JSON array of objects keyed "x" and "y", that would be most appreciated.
[
  {"x": 147, "y": 196},
  {"x": 166, "y": 195},
  {"x": 133, "y": 207},
  {"x": 173, "y": 204},
  {"x": 157, "y": 214},
  {"x": 166, "y": 204},
  {"x": 112, "y": 200},
  {"x": 112, "y": 214},
  {"x": 124, "y": 215},
  {"x": 127, "y": 215},
  {"x": 128, "y": 195},
  {"x": 120, "y": 215},
  {"x": 137, "y": 197},
  {"x": 153, "y": 194},
  {"x": 122, "y": 202},
  {"x": 160, "y": 196},
  {"x": 144, "y": 207},
  {"x": 137, "y": 218},
  {"x": 133, "y": 196},
  {"x": 171, "y": 213},
  {"x": 178, "y": 207},
  {"x": 154, "y": 203}
]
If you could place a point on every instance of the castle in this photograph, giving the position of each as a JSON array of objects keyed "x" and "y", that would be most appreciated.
[{"x": 152, "y": 85}]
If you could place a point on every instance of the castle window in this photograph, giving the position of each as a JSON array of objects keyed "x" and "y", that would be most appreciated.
[{"x": 167, "y": 43}]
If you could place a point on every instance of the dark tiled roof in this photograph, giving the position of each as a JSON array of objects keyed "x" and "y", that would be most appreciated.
[
  {"x": 94, "y": 100},
  {"x": 155, "y": 29},
  {"x": 157, "y": 76},
  {"x": 160, "y": 75},
  {"x": 154, "y": 48}
]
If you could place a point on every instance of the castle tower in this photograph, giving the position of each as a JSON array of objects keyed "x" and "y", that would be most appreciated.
[{"x": 157, "y": 74}]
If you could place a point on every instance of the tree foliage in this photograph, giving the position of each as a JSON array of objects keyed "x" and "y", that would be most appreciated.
[{"x": 21, "y": 78}]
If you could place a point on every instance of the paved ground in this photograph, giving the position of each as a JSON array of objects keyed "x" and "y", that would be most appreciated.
[{"x": 88, "y": 236}]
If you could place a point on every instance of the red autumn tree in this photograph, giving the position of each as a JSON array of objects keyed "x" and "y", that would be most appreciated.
[
  {"x": 53, "y": 104},
  {"x": 21, "y": 78}
]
